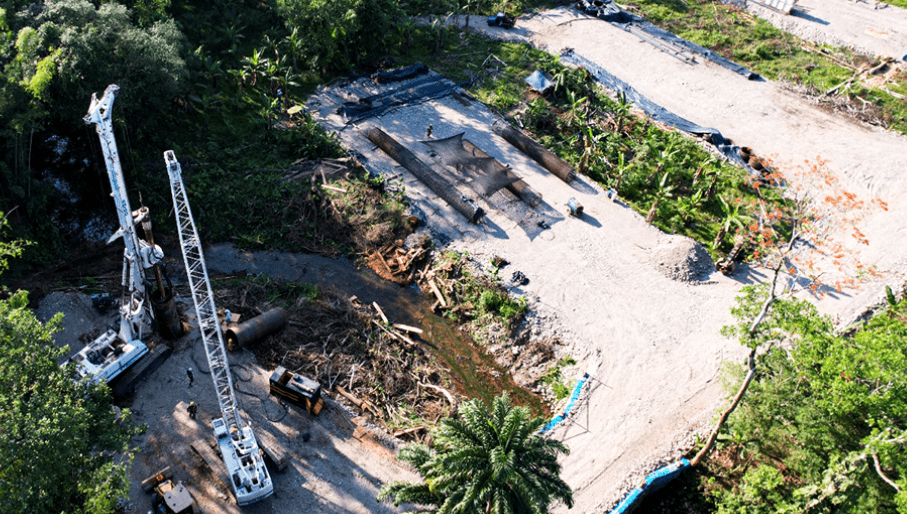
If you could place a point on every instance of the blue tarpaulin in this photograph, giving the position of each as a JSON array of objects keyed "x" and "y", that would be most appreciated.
[
  {"x": 654, "y": 481},
  {"x": 573, "y": 397}
]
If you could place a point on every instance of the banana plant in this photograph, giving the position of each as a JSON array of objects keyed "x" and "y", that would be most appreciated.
[
  {"x": 734, "y": 216},
  {"x": 688, "y": 205},
  {"x": 665, "y": 190}
]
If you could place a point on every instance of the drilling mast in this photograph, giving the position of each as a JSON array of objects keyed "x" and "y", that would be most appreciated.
[
  {"x": 248, "y": 474},
  {"x": 113, "y": 352}
]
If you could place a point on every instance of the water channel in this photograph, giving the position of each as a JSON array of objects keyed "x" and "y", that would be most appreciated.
[{"x": 476, "y": 373}]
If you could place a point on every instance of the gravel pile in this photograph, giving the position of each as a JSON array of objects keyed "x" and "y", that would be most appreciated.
[{"x": 681, "y": 258}]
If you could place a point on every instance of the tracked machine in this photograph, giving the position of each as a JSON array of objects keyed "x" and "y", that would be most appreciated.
[
  {"x": 119, "y": 356},
  {"x": 237, "y": 443}
]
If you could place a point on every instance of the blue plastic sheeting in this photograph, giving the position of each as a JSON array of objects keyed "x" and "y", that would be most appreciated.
[
  {"x": 657, "y": 112},
  {"x": 573, "y": 397},
  {"x": 540, "y": 81},
  {"x": 654, "y": 481}
]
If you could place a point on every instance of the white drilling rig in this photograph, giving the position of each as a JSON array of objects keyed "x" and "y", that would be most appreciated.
[
  {"x": 236, "y": 441},
  {"x": 112, "y": 353}
]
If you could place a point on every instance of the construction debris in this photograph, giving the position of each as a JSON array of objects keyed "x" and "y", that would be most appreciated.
[
  {"x": 344, "y": 347},
  {"x": 393, "y": 262},
  {"x": 326, "y": 169}
]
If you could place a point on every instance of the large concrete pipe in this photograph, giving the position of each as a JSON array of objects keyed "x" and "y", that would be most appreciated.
[
  {"x": 254, "y": 329},
  {"x": 424, "y": 173},
  {"x": 539, "y": 153},
  {"x": 520, "y": 188}
]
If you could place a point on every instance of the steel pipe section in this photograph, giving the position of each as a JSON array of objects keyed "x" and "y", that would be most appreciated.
[
  {"x": 424, "y": 173},
  {"x": 537, "y": 152},
  {"x": 263, "y": 325}
]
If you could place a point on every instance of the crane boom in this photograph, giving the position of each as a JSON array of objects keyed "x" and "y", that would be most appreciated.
[
  {"x": 138, "y": 254},
  {"x": 245, "y": 464}
]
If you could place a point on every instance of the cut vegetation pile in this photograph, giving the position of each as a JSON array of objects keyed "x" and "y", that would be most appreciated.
[{"x": 347, "y": 348}]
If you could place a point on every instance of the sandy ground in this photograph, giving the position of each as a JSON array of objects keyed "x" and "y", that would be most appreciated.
[
  {"x": 866, "y": 26},
  {"x": 652, "y": 342}
]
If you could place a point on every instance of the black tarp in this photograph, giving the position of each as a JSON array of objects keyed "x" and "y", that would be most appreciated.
[
  {"x": 486, "y": 176},
  {"x": 655, "y": 111},
  {"x": 409, "y": 92}
]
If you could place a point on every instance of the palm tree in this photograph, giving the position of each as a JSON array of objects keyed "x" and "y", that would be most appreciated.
[{"x": 488, "y": 461}]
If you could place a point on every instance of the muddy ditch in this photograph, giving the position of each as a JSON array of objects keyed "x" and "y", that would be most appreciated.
[{"x": 381, "y": 346}]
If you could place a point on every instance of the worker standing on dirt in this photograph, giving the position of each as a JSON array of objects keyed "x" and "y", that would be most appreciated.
[
  {"x": 193, "y": 409},
  {"x": 189, "y": 374}
]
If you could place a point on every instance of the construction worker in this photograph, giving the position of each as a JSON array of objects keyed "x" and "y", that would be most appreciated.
[
  {"x": 193, "y": 409},
  {"x": 191, "y": 377}
]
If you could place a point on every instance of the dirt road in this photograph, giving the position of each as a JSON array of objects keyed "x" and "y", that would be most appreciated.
[
  {"x": 867, "y": 26},
  {"x": 337, "y": 470}
]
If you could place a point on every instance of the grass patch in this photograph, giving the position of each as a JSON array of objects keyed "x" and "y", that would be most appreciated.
[
  {"x": 780, "y": 56},
  {"x": 554, "y": 378},
  {"x": 478, "y": 297}
]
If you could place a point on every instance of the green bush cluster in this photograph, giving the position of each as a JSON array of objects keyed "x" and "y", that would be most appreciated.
[{"x": 823, "y": 420}]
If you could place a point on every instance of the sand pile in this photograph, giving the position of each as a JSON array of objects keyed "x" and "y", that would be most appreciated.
[{"x": 681, "y": 258}]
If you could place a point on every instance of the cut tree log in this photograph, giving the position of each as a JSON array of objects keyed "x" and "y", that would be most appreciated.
[{"x": 434, "y": 288}]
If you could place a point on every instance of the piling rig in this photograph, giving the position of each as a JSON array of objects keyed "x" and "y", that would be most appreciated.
[
  {"x": 245, "y": 465},
  {"x": 111, "y": 354}
]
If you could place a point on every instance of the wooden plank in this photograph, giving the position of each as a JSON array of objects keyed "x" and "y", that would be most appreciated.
[
  {"x": 127, "y": 381},
  {"x": 408, "y": 328},
  {"x": 151, "y": 482},
  {"x": 272, "y": 447},
  {"x": 218, "y": 469},
  {"x": 378, "y": 308}
]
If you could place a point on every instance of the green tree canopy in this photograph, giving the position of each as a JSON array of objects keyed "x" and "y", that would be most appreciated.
[
  {"x": 73, "y": 48},
  {"x": 824, "y": 425},
  {"x": 488, "y": 461},
  {"x": 340, "y": 34},
  {"x": 63, "y": 447}
]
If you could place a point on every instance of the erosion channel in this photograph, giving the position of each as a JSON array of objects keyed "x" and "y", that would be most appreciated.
[{"x": 475, "y": 373}]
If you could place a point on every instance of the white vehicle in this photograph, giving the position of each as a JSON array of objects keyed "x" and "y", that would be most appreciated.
[{"x": 245, "y": 464}]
